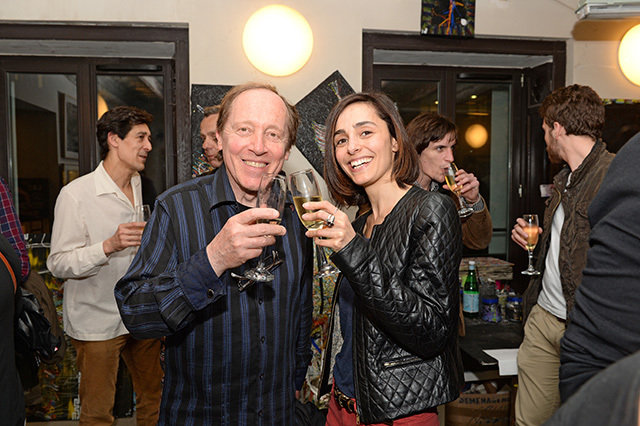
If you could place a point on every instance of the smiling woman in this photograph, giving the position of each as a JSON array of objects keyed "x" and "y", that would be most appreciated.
[{"x": 398, "y": 259}]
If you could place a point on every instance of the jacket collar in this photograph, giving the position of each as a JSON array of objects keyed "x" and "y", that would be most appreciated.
[{"x": 583, "y": 169}]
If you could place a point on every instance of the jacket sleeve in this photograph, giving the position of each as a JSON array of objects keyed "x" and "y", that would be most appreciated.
[
  {"x": 413, "y": 296},
  {"x": 159, "y": 295},
  {"x": 477, "y": 229}
]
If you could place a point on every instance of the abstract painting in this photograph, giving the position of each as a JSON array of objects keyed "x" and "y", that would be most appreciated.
[
  {"x": 314, "y": 109},
  {"x": 448, "y": 17}
]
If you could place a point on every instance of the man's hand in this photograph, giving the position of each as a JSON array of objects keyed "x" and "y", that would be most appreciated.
[
  {"x": 242, "y": 238},
  {"x": 470, "y": 186},
  {"x": 127, "y": 235},
  {"x": 518, "y": 234}
]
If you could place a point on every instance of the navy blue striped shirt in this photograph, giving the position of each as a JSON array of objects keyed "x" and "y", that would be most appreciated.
[{"x": 232, "y": 358}]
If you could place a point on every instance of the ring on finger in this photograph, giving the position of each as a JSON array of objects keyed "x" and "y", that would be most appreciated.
[{"x": 330, "y": 220}]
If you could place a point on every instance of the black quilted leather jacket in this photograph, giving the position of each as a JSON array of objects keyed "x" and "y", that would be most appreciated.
[{"x": 406, "y": 355}]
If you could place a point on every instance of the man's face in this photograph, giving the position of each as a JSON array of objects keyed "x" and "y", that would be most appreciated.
[
  {"x": 435, "y": 158},
  {"x": 209, "y": 141},
  {"x": 254, "y": 141},
  {"x": 553, "y": 147},
  {"x": 132, "y": 151}
]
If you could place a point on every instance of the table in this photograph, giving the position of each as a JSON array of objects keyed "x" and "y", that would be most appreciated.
[{"x": 481, "y": 335}]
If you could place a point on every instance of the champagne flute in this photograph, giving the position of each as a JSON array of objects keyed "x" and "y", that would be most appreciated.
[
  {"x": 272, "y": 193},
  {"x": 450, "y": 177},
  {"x": 531, "y": 228},
  {"x": 304, "y": 188}
]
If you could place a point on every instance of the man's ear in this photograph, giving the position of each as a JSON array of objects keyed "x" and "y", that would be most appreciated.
[
  {"x": 286, "y": 154},
  {"x": 113, "y": 140},
  {"x": 558, "y": 130}
]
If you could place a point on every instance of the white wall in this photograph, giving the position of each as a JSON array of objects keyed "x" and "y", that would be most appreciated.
[{"x": 215, "y": 28}]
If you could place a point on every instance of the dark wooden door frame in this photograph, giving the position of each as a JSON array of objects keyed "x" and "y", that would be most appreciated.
[
  {"x": 176, "y": 34},
  {"x": 533, "y": 167}
]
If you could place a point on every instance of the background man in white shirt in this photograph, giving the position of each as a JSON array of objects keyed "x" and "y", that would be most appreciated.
[{"x": 94, "y": 239}]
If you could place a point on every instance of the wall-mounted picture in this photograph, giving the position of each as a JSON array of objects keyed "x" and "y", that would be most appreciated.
[
  {"x": 448, "y": 17},
  {"x": 68, "y": 113}
]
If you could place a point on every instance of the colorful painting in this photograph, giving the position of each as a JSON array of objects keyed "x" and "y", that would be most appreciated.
[{"x": 448, "y": 17}]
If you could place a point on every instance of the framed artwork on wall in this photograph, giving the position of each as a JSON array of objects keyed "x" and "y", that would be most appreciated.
[
  {"x": 68, "y": 113},
  {"x": 448, "y": 17}
]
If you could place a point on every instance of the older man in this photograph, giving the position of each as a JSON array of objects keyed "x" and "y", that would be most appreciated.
[{"x": 233, "y": 357}]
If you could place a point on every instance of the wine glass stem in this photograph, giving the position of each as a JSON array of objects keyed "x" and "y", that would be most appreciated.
[
  {"x": 530, "y": 253},
  {"x": 260, "y": 265},
  {"x": 321, "y": 257}
]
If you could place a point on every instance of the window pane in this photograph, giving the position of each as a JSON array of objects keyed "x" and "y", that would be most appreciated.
[
  {"x": 483, "y": 121},
  {"x": 412, "y": 97},
  {"x": 44, "y": 147},
  {"x": 147, "y": 93}
]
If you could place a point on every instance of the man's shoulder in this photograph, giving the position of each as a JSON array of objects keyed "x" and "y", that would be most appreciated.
[
  {"x": 80, "y": 184},
  {"x": 194, "y": 185}
]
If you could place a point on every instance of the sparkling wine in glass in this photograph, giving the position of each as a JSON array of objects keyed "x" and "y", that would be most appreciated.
[
  {"x": 304, "y": 188},
  {"x": 531, "y": 228},
  {"x": 450, "y": 177},
  {"x": 272, "y": 193}
]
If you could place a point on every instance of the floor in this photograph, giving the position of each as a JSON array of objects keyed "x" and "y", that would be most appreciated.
[{"x": 131, "y": 421}]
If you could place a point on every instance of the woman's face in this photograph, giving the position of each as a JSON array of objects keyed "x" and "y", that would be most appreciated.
[{"x": 364, "y": 148}]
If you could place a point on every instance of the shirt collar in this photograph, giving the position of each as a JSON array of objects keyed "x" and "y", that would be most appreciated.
[{"x": 106, "y": 185}]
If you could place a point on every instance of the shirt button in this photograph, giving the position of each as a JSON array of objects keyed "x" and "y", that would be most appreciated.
[
  {"x": 260, "y": 413},
  {"x": 210, "y": 294},
  {"x": 262, "y": 339},
  {"x": 261, "y": 376},
  {"x": 260, "y": 301}
]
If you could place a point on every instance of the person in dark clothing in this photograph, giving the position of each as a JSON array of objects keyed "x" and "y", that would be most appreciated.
[
  {"x": 610, "y": 398},
  {"x": 398, "y": 292},
  {"x": 232, "y": 357},
  {"x": 11, "y": 396},
  {"x": 605, "y": 321}
]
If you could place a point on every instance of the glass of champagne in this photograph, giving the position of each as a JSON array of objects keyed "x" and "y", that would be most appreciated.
[
  {"x": 450, "y": 177},
  {"x": 304, "y": 187},
  {"x": 272, "y": 193},
  {"x": 531, "y": 228}
]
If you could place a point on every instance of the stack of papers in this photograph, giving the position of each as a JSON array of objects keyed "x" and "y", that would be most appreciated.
[{"x": 507, "y": 360}]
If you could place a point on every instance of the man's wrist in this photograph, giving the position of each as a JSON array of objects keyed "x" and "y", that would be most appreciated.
[{"x": 477, "y": 206}]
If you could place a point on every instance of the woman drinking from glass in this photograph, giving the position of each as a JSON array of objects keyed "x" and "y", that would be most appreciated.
[{"x": 398, "y": 292}]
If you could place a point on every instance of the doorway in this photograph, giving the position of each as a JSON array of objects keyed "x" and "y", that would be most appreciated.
[
  {"x": 55, "y": 82},
  {"x": 493, "y": 86}
]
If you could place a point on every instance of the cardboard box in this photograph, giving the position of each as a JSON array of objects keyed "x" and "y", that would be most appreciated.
[{"x": 478, "y": 409}]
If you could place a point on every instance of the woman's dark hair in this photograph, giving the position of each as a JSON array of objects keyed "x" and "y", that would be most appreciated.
[
  {"x": 119, "y": 120},
  {"x": 577, "y": 108},
  {"x": 405, "y": 163},
  {"x": 429, "y": 127}
]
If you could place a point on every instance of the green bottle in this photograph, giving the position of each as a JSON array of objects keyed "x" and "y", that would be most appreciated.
[{"x": 470, "y": 293}]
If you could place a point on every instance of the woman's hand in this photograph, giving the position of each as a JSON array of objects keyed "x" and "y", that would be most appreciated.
[{"x": 334, "y": 237}]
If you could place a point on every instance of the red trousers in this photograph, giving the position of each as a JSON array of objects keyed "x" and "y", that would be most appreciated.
[{"x": 338, "y": 416}]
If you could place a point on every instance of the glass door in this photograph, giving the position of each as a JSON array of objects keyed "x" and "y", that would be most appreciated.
[
  {"x": 481, "y": 105},
  {"x": 44, "y": 146}
]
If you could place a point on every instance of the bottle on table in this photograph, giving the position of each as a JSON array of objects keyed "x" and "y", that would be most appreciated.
[{"x": 470, "y": 293}]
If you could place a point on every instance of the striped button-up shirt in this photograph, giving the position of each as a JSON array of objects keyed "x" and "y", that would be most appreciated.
[{"x": 232, "y": 358}]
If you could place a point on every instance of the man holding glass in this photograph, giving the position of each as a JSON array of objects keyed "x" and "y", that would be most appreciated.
[
  {"x": 435, "y": 136},
  {"x": 95, "y": 236},
  {"x": 572, "y": 120},
  {"x": 232, "y": 357}
]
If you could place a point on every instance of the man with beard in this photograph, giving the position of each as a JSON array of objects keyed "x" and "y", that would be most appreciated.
[{"x": 573, "y": 118}]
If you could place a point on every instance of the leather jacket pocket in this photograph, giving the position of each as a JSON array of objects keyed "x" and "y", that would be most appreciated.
[{"x": 401, "y": 361}]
